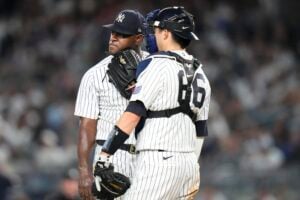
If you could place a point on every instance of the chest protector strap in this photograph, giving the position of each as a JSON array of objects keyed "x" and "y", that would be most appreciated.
[{"x": 184, "y": 104}]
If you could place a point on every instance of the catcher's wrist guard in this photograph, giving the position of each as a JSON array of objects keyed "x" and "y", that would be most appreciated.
[
  {"x": 122, "y": 71},
  {"x": 115, "y": 139}
]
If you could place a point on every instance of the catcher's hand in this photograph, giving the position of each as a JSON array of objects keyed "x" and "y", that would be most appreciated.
[
  {"x": 122, "y": 69},
  {"x": 108, "y": 184}
]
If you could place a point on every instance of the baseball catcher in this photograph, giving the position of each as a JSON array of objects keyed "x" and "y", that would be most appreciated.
[
  {"x": 122, "y": 69},
  {"x": 108, "y": 184}
]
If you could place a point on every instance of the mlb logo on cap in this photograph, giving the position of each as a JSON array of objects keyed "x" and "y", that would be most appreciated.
[
  {"x": 120, "y": 17},
  {"x": 129, "y": 22}
]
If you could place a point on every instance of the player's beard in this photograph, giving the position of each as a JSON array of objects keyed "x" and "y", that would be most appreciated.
[{"x": 113, "y": 48}]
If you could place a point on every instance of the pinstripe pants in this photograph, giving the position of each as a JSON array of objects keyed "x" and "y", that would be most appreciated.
[{"x": 164, "y": 176}]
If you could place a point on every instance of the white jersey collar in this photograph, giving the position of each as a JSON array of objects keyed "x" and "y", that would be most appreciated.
[{"x": 183, "y": 54}]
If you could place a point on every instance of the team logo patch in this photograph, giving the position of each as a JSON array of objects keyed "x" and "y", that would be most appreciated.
[
  {"x": 120, "y": 17},
  {"x": 122, "y": 60},
  {"x": 137, "y": 89}
]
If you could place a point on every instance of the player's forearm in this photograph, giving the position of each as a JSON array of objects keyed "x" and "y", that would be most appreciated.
[
  {"x": 128, "y": 121},
  {"x": 198, "y": 145},
  {"x": 84, "y": 150},
  {"x": 86, "y": 142}
]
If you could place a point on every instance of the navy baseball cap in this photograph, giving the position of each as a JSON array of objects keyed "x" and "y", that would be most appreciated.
[{"x": 128, "y": 22}]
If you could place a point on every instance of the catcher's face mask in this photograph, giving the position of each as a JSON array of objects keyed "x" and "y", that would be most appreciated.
[{"x": 151, "y": 44}]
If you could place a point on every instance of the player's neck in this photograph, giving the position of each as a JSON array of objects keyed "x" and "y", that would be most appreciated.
[
  {"x": 171, "y": 46},
  {"x": 138, "y": 50}
]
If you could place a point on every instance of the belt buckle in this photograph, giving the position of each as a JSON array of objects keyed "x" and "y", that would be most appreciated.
[{"x": 131, "y": 149}]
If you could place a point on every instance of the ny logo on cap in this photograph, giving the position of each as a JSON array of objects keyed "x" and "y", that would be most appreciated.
[{"x": 120, "y": 17}]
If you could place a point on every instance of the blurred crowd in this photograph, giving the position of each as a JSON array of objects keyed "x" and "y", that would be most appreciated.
[{"x": 250, "y": 51}]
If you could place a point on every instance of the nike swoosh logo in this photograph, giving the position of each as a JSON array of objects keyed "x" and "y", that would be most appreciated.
[{"x": 165, "y": 158}]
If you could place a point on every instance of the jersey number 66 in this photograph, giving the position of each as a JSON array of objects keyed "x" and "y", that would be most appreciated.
[{"x": 184, "y": 89}]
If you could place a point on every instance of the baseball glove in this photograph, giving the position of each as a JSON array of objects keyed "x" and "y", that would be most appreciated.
[
  {"x": 108, "y": 184},
  {"x": 121, "y": 71}
]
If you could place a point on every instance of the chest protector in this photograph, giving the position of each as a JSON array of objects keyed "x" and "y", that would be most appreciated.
[{"x": 184, "y": 103}]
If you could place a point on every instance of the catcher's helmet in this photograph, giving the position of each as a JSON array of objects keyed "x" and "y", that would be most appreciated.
[{"x": 178, "y": 21}]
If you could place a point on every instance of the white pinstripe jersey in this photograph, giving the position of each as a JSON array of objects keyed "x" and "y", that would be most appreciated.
[
  {"x": 98, "y": 98},
  {"x": 158, "y": 88}
]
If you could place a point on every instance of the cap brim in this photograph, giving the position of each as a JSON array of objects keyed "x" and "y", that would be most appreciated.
[
  {"x": 113, "y": 27},
  {"x": 108, "y": 26}
]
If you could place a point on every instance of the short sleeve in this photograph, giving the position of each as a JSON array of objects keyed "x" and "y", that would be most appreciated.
[
  {"x": 200, "y": 99},
  {"x": 87, "y": 101},
  {"x": 149, "y": 83}
]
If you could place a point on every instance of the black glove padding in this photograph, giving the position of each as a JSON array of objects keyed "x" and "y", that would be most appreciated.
[
  {"x": 122, "y": 69},
  {"x": 108, "y": 184},
  {"x": 102, "y": 194}
]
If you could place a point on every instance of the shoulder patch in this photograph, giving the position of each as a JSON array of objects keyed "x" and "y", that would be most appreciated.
[{"x": 142, "y": 66}]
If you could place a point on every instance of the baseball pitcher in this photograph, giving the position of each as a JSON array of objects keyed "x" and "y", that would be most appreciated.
[{"x": 103, "y": 96}]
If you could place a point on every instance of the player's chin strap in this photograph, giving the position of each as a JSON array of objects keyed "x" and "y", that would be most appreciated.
[{"x": 184, "y": 106}]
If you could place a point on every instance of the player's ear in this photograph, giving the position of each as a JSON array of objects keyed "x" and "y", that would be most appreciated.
[
  {"x": 139, "y": 39},
  {"x": 166, "y": 34}
]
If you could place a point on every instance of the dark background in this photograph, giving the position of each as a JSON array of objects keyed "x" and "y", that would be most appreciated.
[{"x": 250, "y": 51}]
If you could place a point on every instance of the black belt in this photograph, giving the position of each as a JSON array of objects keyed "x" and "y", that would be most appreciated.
[{"x": 126, "y": 147}]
